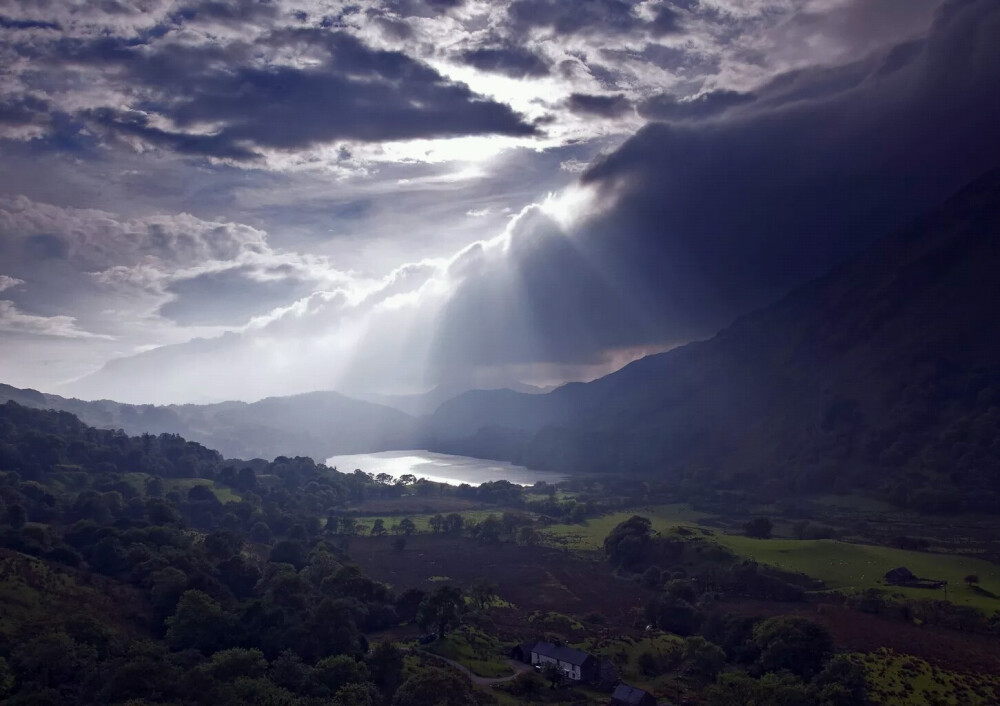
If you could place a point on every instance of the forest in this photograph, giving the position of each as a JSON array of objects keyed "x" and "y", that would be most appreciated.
[{"x": 142, "y": 570}]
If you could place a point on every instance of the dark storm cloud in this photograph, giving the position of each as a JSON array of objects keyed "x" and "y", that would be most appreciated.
[
  {"x": 585, "y": 17},
  {"x": 352, "y": 92},
  {"x": 711, "y": 219},
  {"x": 45, "y": 246},
  {"x": 138, "y": 124},
  {"x": 228, "y": 297},
  {"x": 604, "y": 106},
  {"x": 14, "y": 23},
  {"x": 668, "y": 108},
  {"x": 516, "y": 62},
  {"x": 422, "y": 8},
  {"x": 233, "y": 11},
  {"x": 358, "y": 94},
  {"x": 665, "y": 21},
  {"x": 23, "y": 110}
]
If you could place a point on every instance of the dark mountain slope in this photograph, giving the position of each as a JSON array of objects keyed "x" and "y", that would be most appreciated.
[
  {"x": 317, "y": 424},
  {"x": 885, "y": 373}
]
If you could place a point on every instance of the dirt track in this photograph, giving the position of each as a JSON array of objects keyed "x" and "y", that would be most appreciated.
[{"x": 518, "y": 667}]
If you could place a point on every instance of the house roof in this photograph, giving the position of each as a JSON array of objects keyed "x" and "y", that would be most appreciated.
[
  {"x": 561, "y": 653},
  {"x": 526, "y": 647},
  {"x": 628, "y": 694}
]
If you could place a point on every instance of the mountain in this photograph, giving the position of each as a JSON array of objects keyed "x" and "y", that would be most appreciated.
[
  {"x": 884, "y": 374},
  {"x": 316, "y": 424},
  {"x": 425, "y": 403}
]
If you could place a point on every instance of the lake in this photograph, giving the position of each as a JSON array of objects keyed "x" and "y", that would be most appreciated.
[{"x": 441, "y": 468}]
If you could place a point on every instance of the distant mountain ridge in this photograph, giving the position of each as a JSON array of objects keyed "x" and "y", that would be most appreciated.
[
  {"x": 425, "y": 403},
  {"x": 883, "y": 374},
  {"x": 316, "y": 424}
]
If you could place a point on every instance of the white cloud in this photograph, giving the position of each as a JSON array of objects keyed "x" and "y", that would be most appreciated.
[
  {"x": 14, "y": 321},
  {"x": 7, "y": 282}
]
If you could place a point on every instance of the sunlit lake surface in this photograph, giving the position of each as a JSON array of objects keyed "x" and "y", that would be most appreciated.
[{"x": 442, "y": 468}]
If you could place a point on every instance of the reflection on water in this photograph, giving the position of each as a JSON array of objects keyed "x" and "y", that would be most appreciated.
[{"x": 442, "y": 468}]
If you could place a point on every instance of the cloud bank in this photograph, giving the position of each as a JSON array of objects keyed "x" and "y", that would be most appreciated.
[{"x": 262, "y": 158}]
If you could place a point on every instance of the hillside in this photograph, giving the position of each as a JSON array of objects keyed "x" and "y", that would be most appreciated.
[
  {"x": 316, "y": 424},
  {"x": 884, "y": 374}
]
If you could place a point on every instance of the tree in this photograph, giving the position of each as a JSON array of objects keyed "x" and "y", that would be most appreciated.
[
  {"x": 789, "y": 642},
  {"x": 246, "y": 479},
  {"x": 739, "y": 689},
  {"x": 289, "y": 551},
  {"x": 489, "y": 530},
  {"x": 160, "y": 512},
  {"x": 972, "y": 579},
  {"x": 357, "y": 695},
  {"x": 841, "y": 683},
  {"x": 526, "y": 684},
  {"x": 240, "y": 575},
  {"x": 482, "y": 592},
  {"x": 223, "y": 544},
  {"x": 408, "y": 603},
  {"x": 167, "y": 586},
  {"x": 673, "y": 614},
  {"x": 759, "y": 527},
  {"x": 552, "y": 672},
  {"x": 260, "y": 532},
  {"x": 6, "y": 678},
  {"x": 231, "y": 664},
  {"x": 629, "y": 543},
  {"x": 378, "y": 528},
  {"x": 435, "y": 687},
  {"x": 511, "y": 521},
  {"x": 53, "y": 660},
  {"x": 528, "y": 536},
  {"x": 154, "y": 488},
  {"x": 652, "y": 577},
  {"x": 436, "y": 523},
  {"x": 332, "y": 629},
  {"x": 201, "y": 493},
  {"x": 406, "y": 526},
  {"x": 336, "y": 672},
  {"x": 453, "y": 523},
  {"x": 199, "y": 622},
  {"x": 386, "y": 665},
  {"x": 440, "y": 609},
  {"x": 16, "y": 516},
  {"x": 289, "y": 671},
  {"x": 702, "y": 659}
]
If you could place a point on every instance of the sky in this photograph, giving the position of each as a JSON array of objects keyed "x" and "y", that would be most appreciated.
[{"x": 204, "y": 200}]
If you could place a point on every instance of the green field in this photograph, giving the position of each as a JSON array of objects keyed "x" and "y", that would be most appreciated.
[
  {"x": 841, "y": 565},
  {"x": 182, "y": 485},
  {"x": 422, "y": 521},
  {"x": 903, "y": 680},
  {"x": 855, "y": 567},
  {"x": 590, "y": 534},
  {"x": 224, "y": 493}
]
